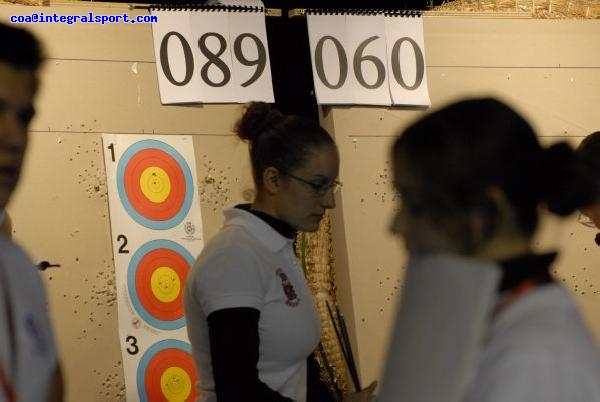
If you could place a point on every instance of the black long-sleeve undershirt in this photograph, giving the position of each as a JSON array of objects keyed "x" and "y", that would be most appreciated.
[{"x": 234, "y": 349}]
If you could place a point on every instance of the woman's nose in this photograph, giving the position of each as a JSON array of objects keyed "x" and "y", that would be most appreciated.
[{"x": 328, "y": 199}]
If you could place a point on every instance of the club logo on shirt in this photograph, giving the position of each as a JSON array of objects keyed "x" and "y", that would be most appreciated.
[{"x": 288, "y": 289}]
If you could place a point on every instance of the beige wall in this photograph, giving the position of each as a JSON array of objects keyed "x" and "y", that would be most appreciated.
[{"x": 103, "y": 79}]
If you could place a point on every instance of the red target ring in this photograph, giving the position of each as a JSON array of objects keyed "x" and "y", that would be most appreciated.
[
  {"x": 166, "y": 372},
  {"x": 162, "y": 257},
  {"x": 164, "y": 360},
  {"x": 155, "y": 282},
  {"x": 149, "y": 158}
]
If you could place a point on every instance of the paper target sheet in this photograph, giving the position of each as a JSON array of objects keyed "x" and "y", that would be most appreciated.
[{"x": 156, "y": 230}]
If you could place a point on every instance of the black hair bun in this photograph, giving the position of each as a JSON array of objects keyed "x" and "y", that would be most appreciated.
[
  {"x": 567, "y": 182},
  {"x": 258, "y": 117}
]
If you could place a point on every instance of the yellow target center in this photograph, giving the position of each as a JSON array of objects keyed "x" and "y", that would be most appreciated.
[
  {"x": 155, "y": 184},
  {"x": 175, "y": 384},
  {"x": 165, "y": 284}
]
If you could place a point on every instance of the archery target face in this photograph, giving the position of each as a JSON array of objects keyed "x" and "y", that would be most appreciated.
[
  {"x": 166, "y": 372},
  {"x": 155, "y": 184},
  {"x": 155, "y": 280}
]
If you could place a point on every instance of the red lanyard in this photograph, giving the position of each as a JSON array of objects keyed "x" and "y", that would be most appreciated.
[
  {"x": 521, "y": 290},
  {"x": 7, "y": 385}
]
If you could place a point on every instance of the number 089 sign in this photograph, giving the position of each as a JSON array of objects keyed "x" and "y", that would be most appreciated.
[
  {"x": 368, "y": 59},
  {"x": 212, "y": 56}
]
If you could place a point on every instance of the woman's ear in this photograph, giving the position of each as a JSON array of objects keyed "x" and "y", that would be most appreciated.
[
  {"x": 488, "y": 218},
  {"x": 494, "y": 221},
  {"x": 499, "y": 205},
  {"x": 271, "y": 180}
]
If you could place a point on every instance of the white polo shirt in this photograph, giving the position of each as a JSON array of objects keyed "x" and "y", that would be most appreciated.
[
  {"x": 249, "y": 264},
  {"x": 538, "y": 350},
  {"x": 32, "y": 363}
]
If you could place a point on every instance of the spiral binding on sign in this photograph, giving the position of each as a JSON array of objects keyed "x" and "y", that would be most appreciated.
[
  {"x": 205, "y": 7},
  {"x": 358, "y": 11},
  {"x": 403, "y": 13},
  {"x": 342, "y": 11}
]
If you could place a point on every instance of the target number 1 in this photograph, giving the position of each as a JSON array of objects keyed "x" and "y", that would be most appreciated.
[{"x": 112, "y": 151}]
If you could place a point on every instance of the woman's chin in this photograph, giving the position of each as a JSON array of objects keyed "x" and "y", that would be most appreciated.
[{"x": 310, "y": 226}]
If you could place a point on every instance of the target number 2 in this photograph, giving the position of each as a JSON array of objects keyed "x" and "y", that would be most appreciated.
[{"x": 122, "y": 248}]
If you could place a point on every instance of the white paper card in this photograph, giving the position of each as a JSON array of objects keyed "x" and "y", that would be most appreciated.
[
  {"x": 406, "y": 61},
  {"x": 330, "y": 64},
  {"x": 251, "y": 62},
  {"x": 366, "y": 44},
  {"x": 210, "y": 30},
  {"x": 175, "y": 52}
]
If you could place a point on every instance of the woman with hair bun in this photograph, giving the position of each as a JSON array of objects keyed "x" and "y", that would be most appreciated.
[
  {"x": 251, "y": 318},
  {"x": 471, "y": 178},
  {"x": 589, "y": 149}
]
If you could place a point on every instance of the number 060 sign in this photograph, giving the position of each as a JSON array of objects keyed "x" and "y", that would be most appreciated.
[
  {"x": 368, "y": 59},
  {"x": 212, "y": 56}
]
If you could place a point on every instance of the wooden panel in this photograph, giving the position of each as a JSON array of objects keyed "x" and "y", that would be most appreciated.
[
  {"x": 60, "y": 214},
  {"x": 557, "y": 101},
  {"x": 375, "y": 257},
  {"x": 101, "y": 96},
  {"x": 505, "y": 42}
]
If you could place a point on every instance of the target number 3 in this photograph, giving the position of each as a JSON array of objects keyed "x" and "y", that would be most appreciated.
[{"x": 132, "y": 346}]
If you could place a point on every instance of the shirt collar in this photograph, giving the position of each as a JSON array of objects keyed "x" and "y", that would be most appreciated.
[
  {"x": 262, "y": 230},
  {"x": 277, "y": 224},
  {"x": 529, "y": 266}
]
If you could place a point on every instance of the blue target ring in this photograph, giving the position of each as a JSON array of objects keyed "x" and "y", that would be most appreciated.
[
  {"x": 141, "y": 297},
  {"x": 171, "y": 352},
  {"x": 181, "y": 165}
]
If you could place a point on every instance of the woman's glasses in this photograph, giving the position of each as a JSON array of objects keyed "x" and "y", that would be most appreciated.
[{"x": 319, "y": 189}]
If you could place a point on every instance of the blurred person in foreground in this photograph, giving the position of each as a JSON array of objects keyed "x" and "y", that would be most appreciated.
[
  {"x": 29, "y": 366},
  {"x": 481, "y": 318}
]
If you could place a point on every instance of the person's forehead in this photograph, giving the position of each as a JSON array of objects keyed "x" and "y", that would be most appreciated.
[
  {"x": 17, "y": 84},
  {"x": 404, "y": 173},
  {"x": 322, "y": 157}
]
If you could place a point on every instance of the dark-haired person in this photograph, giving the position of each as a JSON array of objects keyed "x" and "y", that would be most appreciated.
[
  {"x": 29, "y": 369},
  {"x": 471, "y": 178},
  {"x": 589, "y": 149},
  {"x": 251, "y": 318}
]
